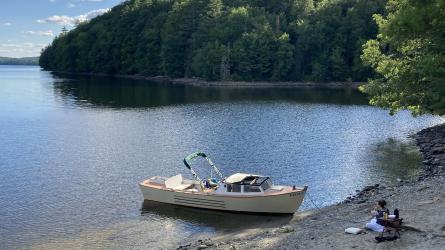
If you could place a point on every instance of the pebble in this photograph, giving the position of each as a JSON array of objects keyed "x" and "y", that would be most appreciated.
[
  {"x": 362, "y": 201},
  {"x": 208, "y": 243},
  {"x": 286, "y": 229}
]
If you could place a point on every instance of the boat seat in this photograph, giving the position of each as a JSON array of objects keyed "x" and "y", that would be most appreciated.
[
  {"x": 182, "y": 187},
  {"x": 174, "y": 181}
]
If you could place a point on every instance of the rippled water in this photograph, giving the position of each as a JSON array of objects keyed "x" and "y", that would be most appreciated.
[{"x": 73, "y": 149}]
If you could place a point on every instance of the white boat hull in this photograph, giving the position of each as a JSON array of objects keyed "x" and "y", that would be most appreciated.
[{"x": 282, "y": 202}]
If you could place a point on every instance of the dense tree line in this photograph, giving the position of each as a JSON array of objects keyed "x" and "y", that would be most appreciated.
[
  {"x": 19, "y": 61},
  {"x": 273, "y": 40},
  {"x": 409, "y": 57}
]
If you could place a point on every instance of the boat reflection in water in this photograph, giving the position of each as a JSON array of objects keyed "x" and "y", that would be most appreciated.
[{"x": 215, "y": 219}]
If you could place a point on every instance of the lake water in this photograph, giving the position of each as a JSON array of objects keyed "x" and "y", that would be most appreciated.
[{"x": 73, "y": 150}]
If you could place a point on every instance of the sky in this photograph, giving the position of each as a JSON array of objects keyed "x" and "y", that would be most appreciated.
[{"x": 26, "y": 26}]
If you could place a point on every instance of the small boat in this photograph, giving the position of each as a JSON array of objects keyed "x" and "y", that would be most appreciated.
[{"x": 239, "y": 192}]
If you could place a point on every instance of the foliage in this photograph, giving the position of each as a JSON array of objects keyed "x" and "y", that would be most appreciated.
[
  {"x": 269, "y": 40},
  {"x": 409, "y": 57}
]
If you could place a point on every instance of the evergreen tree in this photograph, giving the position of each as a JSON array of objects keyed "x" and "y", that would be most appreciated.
[{"x": 251, "y": 40}]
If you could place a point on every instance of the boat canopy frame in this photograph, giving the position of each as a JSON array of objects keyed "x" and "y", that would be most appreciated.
[{"x": 192, "y": 157}]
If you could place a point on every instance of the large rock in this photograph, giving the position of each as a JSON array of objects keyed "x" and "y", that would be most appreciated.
[{"x": 431, "y": 142}]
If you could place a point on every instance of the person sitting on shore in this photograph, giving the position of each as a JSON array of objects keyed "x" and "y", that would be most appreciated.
[{"x": 378, "y": 213}]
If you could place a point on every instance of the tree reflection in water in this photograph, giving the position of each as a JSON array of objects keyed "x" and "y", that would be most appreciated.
[
  {"x": 397, "y": 158},
  {"x": 116, "y": 93}
]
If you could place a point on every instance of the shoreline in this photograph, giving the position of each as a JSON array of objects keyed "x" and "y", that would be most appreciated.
[
  {"x": 199, "y": 82},
  {"x": 421, "y": 203}
]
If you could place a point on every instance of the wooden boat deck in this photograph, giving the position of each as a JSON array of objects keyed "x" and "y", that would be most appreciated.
[{"x": 270, "y": 192}]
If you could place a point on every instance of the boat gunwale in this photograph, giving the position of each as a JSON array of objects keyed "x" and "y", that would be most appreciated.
[{"x": 162, "y": 187}]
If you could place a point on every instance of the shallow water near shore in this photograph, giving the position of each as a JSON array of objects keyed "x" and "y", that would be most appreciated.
[{"x": 73, "y": 150}]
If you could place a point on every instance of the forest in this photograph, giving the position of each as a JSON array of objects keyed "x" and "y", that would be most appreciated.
[
  {"x": 396, "y": 46},
  {"x": 249, "y": 40}
]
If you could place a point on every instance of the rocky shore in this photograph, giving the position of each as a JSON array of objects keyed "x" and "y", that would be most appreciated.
[
  {"x": 421, "y": 203},
  {"x": 199, "y": 82},
  {"x": 431, "y": 142},
  {"x": 202, "y": 82}
]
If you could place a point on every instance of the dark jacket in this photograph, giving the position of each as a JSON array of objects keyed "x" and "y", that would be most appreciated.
[{"x": 380, "y": 213}]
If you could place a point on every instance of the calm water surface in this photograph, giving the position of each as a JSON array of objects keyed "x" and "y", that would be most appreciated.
[{"x": 73, "y": 149}]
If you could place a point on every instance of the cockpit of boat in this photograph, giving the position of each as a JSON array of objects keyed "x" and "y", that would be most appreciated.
[
  {"x": 247, "y": 183},
  {"x": 236, "y": 184}
]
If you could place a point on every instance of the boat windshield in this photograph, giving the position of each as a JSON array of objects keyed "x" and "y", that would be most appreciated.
[
  {"x": 251, "y": 184},
  {"x": 266, "y": 184},
  {"x": 254, "y": 180}
]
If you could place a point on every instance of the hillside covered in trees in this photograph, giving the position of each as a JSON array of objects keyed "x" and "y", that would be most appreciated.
[
  {"x": 271, "y": 40},
  {"x": 19, "y": 61}
]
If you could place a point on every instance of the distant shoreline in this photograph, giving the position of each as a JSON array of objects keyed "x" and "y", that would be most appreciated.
[
  {"x": 199, "y": 82},
  {"x": 18, "y": 64},
  {"x": 25, "y": 61}
]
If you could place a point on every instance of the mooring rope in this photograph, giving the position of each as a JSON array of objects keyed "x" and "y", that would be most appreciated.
[{"x": 331, "y": 216}]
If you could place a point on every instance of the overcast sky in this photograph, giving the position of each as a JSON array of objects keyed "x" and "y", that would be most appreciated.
[{"x": 26, "y": 26}]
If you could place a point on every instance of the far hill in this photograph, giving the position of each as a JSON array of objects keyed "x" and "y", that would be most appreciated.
[
  {"x": 19, "y": 61},
  {"x": 249, "y": 40}
]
